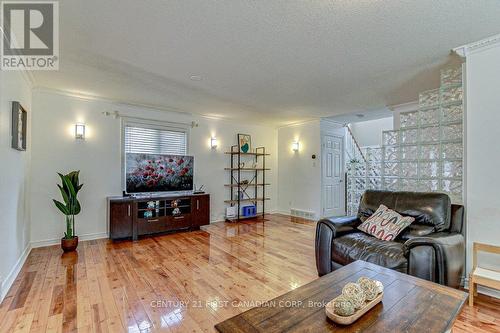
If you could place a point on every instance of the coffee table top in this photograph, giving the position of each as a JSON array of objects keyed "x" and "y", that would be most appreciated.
[{"x": 410, "y": 304}]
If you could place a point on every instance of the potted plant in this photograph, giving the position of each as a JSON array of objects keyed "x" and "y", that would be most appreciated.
[{"x": 71, "y": 207}]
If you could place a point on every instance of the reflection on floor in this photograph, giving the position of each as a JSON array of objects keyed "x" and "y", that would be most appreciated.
[{"x": 184, "y": 282}]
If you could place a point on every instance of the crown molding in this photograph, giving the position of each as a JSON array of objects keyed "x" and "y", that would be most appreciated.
[
  {"x": 116, "y": 105},
  {"x": 480, "y": 45},
  {"x": 404, "y": 107},
  {"x": 115, "y": 102},
  {"x": 333, "y": 122},
  {"x": 298, "y": 123}
]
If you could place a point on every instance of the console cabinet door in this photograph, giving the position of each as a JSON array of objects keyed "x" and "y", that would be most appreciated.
[
  {"x": 121, "y": 219},
  {"x": 200, "y": 210}
]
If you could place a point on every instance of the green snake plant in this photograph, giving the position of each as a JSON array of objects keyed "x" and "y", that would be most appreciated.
[{"x": 69, "y": 190}]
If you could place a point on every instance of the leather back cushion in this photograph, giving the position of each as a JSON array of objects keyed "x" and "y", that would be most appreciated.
[{"x": 427, "y": 208}]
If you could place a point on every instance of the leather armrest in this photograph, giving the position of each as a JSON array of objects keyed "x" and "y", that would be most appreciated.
[
  {"x": 326, "y": 231},
  {"x": 340, "y": 225},
  {"x": 449, "y": 252}
]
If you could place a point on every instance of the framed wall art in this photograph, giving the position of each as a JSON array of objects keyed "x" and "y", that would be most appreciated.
[
  {"x": 245, "y": 143},
  {"x": 19, "y": 126}
]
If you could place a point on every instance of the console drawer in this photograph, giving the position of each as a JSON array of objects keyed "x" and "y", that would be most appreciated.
[
  {"x": 179, "y": 222},
  {"x": 162, "y": 224},
  {"x": 150, "y": 226}
]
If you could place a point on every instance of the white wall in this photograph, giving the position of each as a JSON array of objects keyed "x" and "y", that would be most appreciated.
[
  {"x": 482, "y": 153},
  {"x": 369, "y": 133},
  {"x": 99, "y": 159},
  {"x": 14, "y": 184},
  {"x": 299, "y": 176}
]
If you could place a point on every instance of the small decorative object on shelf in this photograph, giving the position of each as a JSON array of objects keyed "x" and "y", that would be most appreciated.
[
  {"x": 356, "y": 299},
  {"x": 198, "y": 190},
  {"x": 175, "y": 205},
  {"x": 238, "y": 195}
]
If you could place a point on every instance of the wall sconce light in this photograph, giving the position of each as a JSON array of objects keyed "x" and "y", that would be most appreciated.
[
  {"x": 213, "y": 143},
  {"x": 80, "y": 131},
  {"x": 295, "y": 146}
]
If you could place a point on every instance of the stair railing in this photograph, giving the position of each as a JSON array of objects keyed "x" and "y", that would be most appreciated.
[
  {"x": 353, "y": 153},
  {"x": 353, "y": 149}
]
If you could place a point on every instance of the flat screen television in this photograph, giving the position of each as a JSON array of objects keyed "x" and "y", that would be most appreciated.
[{"x": 147, "y": 173}]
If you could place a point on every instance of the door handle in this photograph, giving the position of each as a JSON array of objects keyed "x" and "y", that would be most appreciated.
[
  {"x": 129, "y": 210},
  {"x": 197, "y": 204},
  {"x": 178, "y": 217},
  {"x": 155, "y": 220}
]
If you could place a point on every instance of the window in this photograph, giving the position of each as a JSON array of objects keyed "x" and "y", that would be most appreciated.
[{"x": 149, "y": 139}]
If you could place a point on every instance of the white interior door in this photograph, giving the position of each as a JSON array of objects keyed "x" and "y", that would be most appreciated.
[{"x": 333, "y": 175}]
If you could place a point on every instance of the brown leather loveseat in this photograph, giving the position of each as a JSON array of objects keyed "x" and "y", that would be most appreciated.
[{"x": 432, "y": 247}]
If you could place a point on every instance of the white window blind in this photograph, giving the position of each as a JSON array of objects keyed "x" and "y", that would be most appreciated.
[{"x": 152, "y": 140}]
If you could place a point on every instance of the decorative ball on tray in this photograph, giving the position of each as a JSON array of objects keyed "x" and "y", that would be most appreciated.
[
  {"x": 343, "y": 306},
  {"x": 380, "y": 286},
  {"x": 356, "y": 300},
  {"x": 355, "y": 294},
  {"x": 370, "y": 288}
]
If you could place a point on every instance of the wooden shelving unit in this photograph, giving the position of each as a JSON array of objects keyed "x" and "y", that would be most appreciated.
[
  {"x": 243, "y": 154},
  {"x": 247, "y": 169},
  {"x": 247, "y": 200},
  {"x": 243, "y": 185},
  {"x": 257, "y": 185}
]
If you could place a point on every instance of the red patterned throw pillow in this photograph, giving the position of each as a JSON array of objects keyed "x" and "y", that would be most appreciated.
[{"x": 385, "y": 224}]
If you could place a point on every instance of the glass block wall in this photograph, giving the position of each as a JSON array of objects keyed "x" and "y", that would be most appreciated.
[{"x": 425, "y": 154}]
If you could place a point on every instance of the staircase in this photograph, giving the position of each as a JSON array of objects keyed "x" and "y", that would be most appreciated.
[
  {"x": 354, "y": 153},
  {"x": 425, "y": 154}
]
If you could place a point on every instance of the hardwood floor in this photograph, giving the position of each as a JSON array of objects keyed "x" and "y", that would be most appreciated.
[{"x": 184, "y": 282}]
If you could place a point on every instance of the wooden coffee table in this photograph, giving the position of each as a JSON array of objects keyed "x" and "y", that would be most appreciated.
[{"x": 410, "y": 304}]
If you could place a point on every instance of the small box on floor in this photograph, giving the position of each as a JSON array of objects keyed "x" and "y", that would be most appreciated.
[
  {"x": 250, "y": 210},
  {"x": 231, "y": 212}
]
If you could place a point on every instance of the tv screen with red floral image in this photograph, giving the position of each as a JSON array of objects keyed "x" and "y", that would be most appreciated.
[{"x": 158, "y": 173}]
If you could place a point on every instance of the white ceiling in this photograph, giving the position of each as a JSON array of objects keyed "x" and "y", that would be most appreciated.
[{"x": 278, "y": 61}]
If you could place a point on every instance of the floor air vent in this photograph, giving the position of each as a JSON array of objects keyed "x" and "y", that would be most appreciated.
[{"x": 302, "y": 213}]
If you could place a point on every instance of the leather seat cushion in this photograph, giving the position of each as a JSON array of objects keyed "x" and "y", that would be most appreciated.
[{"x": 361, "y": 246}]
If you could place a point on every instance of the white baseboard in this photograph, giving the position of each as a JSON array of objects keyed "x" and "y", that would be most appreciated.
[
  {"x": 223, "y": 218},
  {"x": 484, "y": 290},
  {"x": 11, "y": 277},
  {"x": 288, "y": 213},
  {"x": 57, "y": 241}
]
